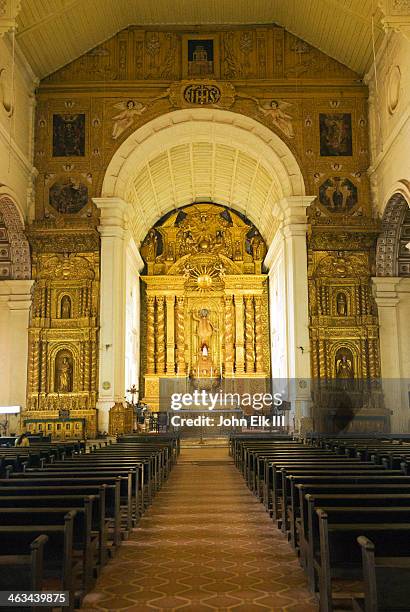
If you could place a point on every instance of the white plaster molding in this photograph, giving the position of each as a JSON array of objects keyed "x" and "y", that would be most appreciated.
[
  {"x": 134, "y": 254},
  {"x": 390, "y": 140},
  {"x": 15, "y": 149},
  {"x": 396, "y": 16},
  {"x": 9, "y": 9}
]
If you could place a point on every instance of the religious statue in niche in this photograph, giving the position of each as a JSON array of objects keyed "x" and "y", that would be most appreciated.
[
  {"x": 335, "y": 134},
  {"x": 341, "y": 304},
  {"x": 69, "y": 196},
  {"x": 130, "y": 109},
  {"x": 64, "y": 373},
  {"x": 338, "y": 194},
  {"x": 205, "y": 331},
  {"x": 66, "y": 307},
  {"x": 69, "y": 135},
  {"x": 149, "y": 246},
  {"x": 200, "y": 57},
  {"x": 344, "y": 364},
  {"x": 276, "y": 111}
]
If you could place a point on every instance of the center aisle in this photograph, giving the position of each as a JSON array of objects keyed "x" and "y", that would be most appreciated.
[{"x": 206, "y": 543}]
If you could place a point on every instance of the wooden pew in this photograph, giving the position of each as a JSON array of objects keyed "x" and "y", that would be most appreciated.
[
  {"x": 58, "y": 566},
  {"x": 386, "y": 579},
  {"x": 338, "y": 552},
  {"x": 311, "y": 502},
  {"x": 23, "y": 571},
  {"x": 83, "y": 542},
  {"x": 109, "y": 507},
  {"x": 340, "y": 473},
  {"x": 121, "y": 484},
  {"x": 290, "y": 496}
]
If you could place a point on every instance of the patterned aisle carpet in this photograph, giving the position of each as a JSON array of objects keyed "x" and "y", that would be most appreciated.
[{"x": 205, "y": 544}]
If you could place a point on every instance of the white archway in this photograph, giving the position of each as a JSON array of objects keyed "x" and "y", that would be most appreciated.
[
  {"x": 198, "y": 154},
  {"x": 195, "y": 155}
]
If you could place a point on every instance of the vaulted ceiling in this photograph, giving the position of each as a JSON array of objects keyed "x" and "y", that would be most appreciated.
[{"x": 52, "y": 33}]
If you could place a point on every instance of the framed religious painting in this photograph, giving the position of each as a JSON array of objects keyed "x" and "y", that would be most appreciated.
[
  {"x": 200, "y": 56},
  {"x": 335, "y": 134},
  {"x": 69, "y": 135}
]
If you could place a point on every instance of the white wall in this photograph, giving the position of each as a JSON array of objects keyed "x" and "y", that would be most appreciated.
[
  {"x": 389, "y": 119},
  {"x": 16, "y": 131},
  {"x": 134, "y": 265},
  {"x": 389, "y": 127},
  {"x": 15, "y": 301},
  {"x": 16, "y": 173}
]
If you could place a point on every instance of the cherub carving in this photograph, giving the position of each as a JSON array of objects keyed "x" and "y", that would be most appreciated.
[
  {"x": 275, "y": 109},
  {"x": 125, "y": 119}
]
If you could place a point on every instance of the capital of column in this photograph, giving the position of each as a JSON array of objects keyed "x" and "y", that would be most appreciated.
[
  {"x": 294, "y": 209},
  {"x": 113, "y": 214},
  {"x": 16, "y": 293},
  {"x": 385, "y": 290},
  {"x": 396, "y": 16}
]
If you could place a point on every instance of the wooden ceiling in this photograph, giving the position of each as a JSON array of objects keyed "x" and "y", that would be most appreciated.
[{"x": 52, "y": 33}]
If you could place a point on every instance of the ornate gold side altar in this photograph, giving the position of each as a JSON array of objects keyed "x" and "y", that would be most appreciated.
[
  {"x": 63, "y": 332},
  {"x": 205, "y": 299}
]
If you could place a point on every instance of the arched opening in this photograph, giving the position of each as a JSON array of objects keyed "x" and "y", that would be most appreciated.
[
  {"x": 188, "y": 157},
  {"x": 391, "y": 288},
  {"x": 393, "y": 245},
  {"x": 205, "y": 301},
  {"x": 14, "y": 248},
  {"x": 15, "y": 296}
]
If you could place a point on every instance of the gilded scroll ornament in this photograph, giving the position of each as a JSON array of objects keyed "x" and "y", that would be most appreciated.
[
  {"x": 249, "y": 334},
  {"x": 180, "y": 335},
  {"x": 150, "y": 335},
  {"x": 160, "y": 335}
]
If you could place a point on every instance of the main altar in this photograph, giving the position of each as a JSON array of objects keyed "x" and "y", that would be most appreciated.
[{"x": 205, "y": 302}]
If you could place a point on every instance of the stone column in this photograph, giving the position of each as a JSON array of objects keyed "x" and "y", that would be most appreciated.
[
  {"x": 239, "y": 335},
  {"x": 392, "y": 295},
  {"x": 289, "y": 245},
  {"x": 15, "y": 299},
  {"x": 112, "y": 307},
  {"x": 249, "y": 334},
  {"x": 180, "y": 336},
  {"x": 160, "y": 334},
  {"x": 170, "y": 327}
]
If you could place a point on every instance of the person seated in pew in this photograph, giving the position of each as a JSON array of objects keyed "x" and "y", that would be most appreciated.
[{"x": 22, "y": 440}]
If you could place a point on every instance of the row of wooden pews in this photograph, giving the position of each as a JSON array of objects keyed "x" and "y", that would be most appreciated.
[
  {"x": 61, "y": 521},
  {"x": 345, "y": 508},
  {"x": 38, "y": 453}
]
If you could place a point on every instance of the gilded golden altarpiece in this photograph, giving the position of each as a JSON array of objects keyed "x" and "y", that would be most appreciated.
[
  {"x": 205, "y": 299},
  {"x": 63, "y": 334},
  {"x": 87, "y": 109}
]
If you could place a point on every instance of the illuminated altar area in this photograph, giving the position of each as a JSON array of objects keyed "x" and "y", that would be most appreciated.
[{"x": 205, "y": 301}]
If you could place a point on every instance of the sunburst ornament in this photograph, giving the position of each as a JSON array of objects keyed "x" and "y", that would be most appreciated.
[{"x": 204, "y": 275}]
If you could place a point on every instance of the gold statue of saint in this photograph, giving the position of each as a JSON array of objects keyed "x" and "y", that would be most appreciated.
[
  {"x": 205, "y": 331},
  {"x": 66, "y": 307},
  {"x": 64, "y": 376},
  {"x": 344, "y": 368},
  {"x": 341, "y": 304}
]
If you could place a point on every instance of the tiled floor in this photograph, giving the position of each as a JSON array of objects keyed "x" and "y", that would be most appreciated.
[{"x": 205, "y": 544}]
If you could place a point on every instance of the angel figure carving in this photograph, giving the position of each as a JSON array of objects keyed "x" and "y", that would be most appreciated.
[
  {"x": 275, "y": 109},
  {"x": 124, "y": 120}
]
